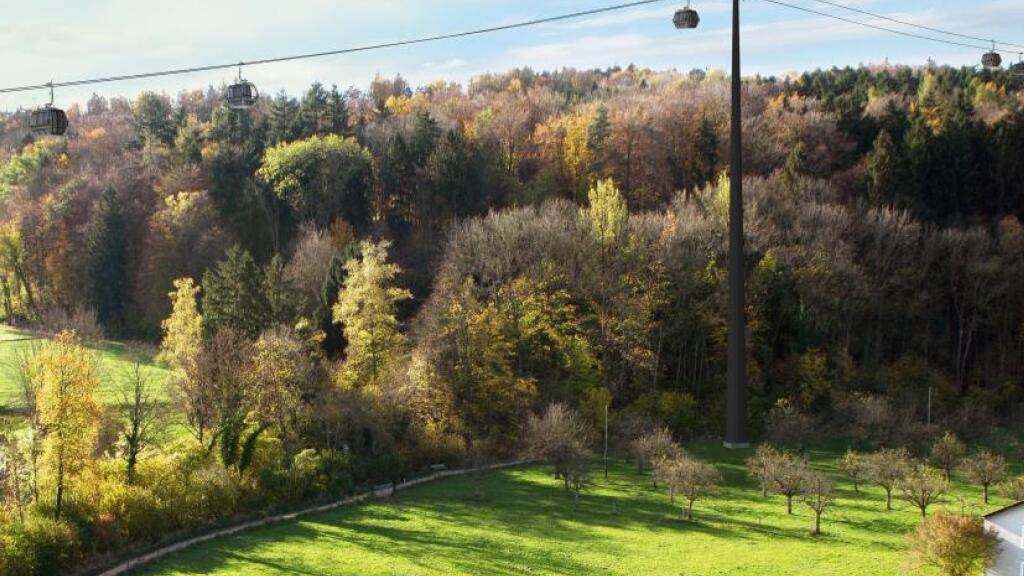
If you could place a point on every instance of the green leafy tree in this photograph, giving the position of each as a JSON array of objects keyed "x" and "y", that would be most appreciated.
[
  {"x": 285, "y": 119},
  {"x": 283, "y": 299},
  {"x": 454, "y": 175},
  {"x": 476, "y": 359},
  {"x": 888, "y": 177},
  {"x": 320, "y": 178},
  {"x": 367, "y": 309},
  {"x": 330, "y": 288},
  {"x": 108, "y": 282},
  {"x": 151, "y": 114},
  {"x": 234, "y": 296}
]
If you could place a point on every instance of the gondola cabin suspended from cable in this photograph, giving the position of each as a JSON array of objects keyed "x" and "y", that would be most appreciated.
[
  {"x": 49, "y": 120},
  {"x": 1018, "y": 68},
  {"x": 686, "y": 18},
  {"x": 992, "y": 59},
  {"x": 242, "y": 94}
]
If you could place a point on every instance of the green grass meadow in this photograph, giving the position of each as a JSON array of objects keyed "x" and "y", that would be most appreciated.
[
  {"x": 525, "y": 524},
  {"x": 114, "y": 360}
]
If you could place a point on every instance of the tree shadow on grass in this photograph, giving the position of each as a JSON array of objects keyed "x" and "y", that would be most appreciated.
[{"x": 528, "y": 525}]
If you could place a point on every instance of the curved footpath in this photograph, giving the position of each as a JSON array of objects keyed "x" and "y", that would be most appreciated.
[{"x": 127, "y": 565}]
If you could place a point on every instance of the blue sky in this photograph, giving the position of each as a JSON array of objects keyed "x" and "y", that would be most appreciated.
[{"x": 68, "y": 40}]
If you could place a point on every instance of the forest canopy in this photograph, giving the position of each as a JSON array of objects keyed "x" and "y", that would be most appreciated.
[{"x": 547, "y": 235}]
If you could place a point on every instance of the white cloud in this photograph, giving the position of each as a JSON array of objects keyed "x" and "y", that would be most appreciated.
[{"x": 710, "y": 47}]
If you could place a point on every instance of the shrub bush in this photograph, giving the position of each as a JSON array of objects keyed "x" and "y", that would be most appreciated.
[
  {"x": 39, "y": 547},
  {"x": 137, "y": 513}
]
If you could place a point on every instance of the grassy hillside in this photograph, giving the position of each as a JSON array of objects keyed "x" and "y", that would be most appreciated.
[
  {"x": 113, "y": 361},
  {"x": 524, "y": 524}
]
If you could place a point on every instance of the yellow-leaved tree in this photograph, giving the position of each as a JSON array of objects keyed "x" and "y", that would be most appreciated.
[
  {"x": 367, "y": 309},
  {"x": 69, "y": 415},
  {"x": 607, "y": 214},
  {"x": 183, "y": 329}
]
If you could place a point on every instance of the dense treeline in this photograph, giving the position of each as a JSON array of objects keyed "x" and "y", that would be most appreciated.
[{"x": 364, "y": 283}]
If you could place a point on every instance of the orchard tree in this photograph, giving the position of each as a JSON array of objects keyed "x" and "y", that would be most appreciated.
[
  {"x": 791, "y": 477},
  {"x": 687, "y": 477},
  {"x": 887, "y": 468},
  {"x": 857, "y": 468},
  {"x": 367, "y": 309},
  {"x": 922, "y": 488},
  {"x": 68, "y": 413},
  {"x": 819, "y": 493},
  {"x": 648, "y": 448},
  {"x": 763, "y": 464},
  {"x": 948, "y": 452},
  {"x": 954, "y": 545},
  {"x": 985, "y": 468},
  {"x": 563, "y": 437}
]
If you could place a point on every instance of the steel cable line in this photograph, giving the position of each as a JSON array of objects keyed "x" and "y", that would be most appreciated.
[
  {"x": 884, "y": 29},
  {"x": 366, "y": 48},
  {"x": 913, "y": 25},
  {"x": 572, "y": 15}
]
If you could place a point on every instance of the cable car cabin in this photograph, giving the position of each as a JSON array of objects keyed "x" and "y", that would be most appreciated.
[
  {"x": 1017, "y": 69},
  {"x": 49, "y": 120},
  {"x": 686, "y": 18},
  {"x": 242, "y": 95},
  {"x": 991, "y": 60}
]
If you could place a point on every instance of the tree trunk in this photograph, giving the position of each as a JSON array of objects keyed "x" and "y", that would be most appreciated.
[
  {"x": 8, "y": 306},
  {"x": 986, "y": 493},
  {"x": 132, "y": 457},
  {"x": 789, "y": 504},
  {"x": 689, "y": 511},
  {"x": 60, "y": 490},
  {"x": 817, "y": 523},
  {"x": 888, "y": 498}
]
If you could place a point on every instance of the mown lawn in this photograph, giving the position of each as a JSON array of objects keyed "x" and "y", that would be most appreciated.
[
  {"x": 524, "y": 524},
  {"x": 114, "y": 360}
]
